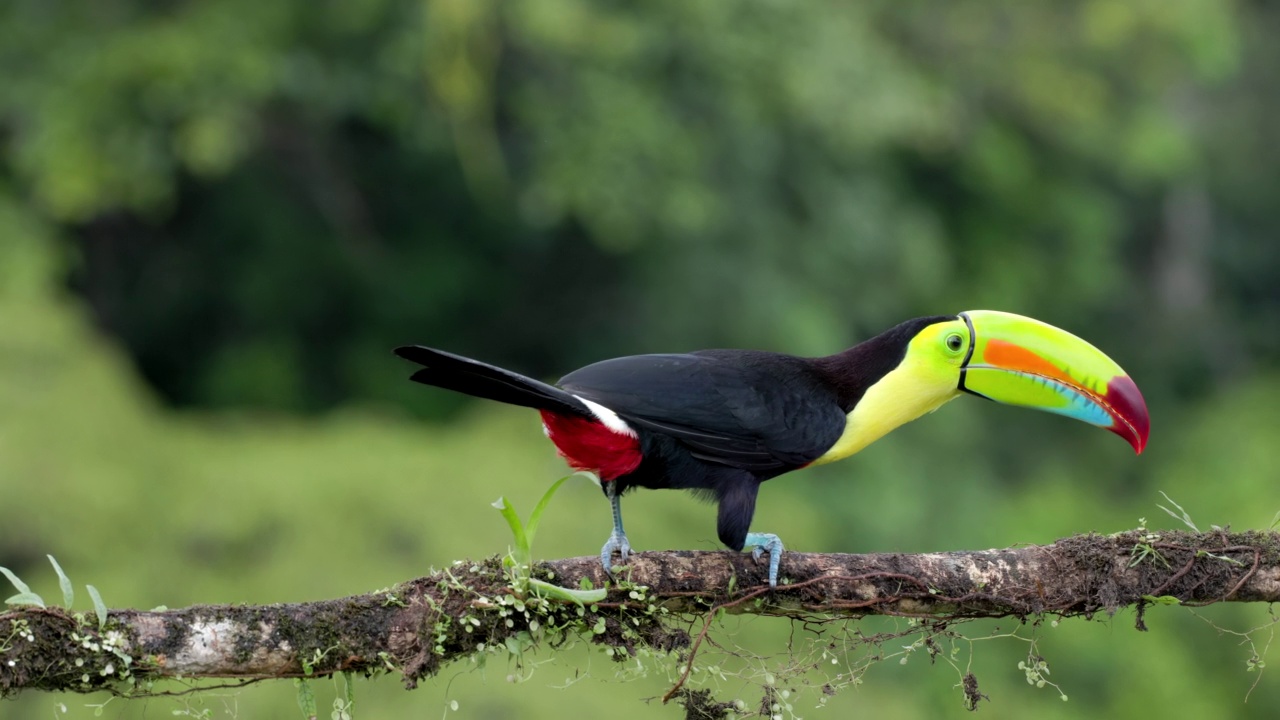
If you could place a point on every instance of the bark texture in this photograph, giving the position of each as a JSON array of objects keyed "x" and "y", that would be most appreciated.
[{"x": 419, "y": 626}]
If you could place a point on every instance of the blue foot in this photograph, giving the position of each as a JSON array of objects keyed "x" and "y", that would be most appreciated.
[
  {"x": 617, "y": 541},
  {"x": 765, "y": 542},
  {"x": 618, "y": 538}
]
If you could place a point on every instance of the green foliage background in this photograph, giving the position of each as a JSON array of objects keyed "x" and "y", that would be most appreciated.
[{"x": 217, "y": 218}]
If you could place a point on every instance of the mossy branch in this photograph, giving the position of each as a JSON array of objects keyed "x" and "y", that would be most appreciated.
[{"x": 418, "y": 627}]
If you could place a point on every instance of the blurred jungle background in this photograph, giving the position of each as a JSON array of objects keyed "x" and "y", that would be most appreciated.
[{"x": 217, "y": 218}]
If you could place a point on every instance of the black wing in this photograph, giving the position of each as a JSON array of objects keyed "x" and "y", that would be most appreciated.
[{"x": 763, "y": 412}]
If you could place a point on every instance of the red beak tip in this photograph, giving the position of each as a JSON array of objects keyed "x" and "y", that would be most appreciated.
[
  {"x": 1136, "y": 439},
  {"x": 1133, "y": 423}
]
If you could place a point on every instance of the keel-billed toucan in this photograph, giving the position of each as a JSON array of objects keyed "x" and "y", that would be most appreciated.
[{"x": 724, "y": 421}]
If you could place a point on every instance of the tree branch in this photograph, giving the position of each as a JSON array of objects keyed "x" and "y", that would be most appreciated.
[{"x": 421, "y": 625}]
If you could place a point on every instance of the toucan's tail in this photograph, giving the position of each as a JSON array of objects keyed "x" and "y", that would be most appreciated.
[{"x": 472, "y": 377}]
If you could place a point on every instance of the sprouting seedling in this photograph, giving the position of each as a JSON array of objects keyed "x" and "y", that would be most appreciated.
[
  {"x": 68, "y": 591},
  {"x": 26, "y": 596},
  {"x": 1185, "y": 517},
  {"x": 523, "y": 533},
  {"x": 99, "y": 607},
  {"x": 520, "y": 560}
]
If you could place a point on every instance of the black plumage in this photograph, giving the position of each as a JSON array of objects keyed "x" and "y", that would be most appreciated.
[{"x": 756, "y": 411}]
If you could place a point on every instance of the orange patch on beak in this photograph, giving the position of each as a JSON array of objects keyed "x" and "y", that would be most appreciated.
[{"x": 1009, "y": 356}]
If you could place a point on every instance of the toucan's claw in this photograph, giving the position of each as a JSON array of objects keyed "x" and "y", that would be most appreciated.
[
  {"x": 617, "y": 541},
  {"x": 766, "y": 542}
]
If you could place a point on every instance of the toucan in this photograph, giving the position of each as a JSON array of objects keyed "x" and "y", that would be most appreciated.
[{"x": 721, "y": 422}]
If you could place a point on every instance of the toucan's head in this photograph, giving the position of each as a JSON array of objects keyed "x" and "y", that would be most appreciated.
[
  {"x": 1000, "y": 356},
  {"x": 1016, "y": 360}
]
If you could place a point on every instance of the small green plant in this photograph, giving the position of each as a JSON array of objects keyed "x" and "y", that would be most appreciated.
[
  {"x": 110, "y": 647},
  {"x": 520, "y": 561},
  {"x": 19, "y": 629},
  {"x": 306, "y": 698},
  {"x": 26, "y": 596},
  {"x": 99, "y": 607},
  {"x": 390, "y": 598},
  {"x": 103, "y": 653},
  {"x": 68, "y": 591},
  {"x": 1182, "y": 515},
  {"x": 1036, "y": 670},
  {"x": 1146, "y": 548},
  {"x": 344, "y": 700}
]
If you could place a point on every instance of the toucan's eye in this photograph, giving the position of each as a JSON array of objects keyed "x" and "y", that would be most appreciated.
[{"x": 955, "y": 342}]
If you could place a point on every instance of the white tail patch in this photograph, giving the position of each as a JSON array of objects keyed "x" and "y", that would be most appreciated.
[{"x": 608, "y": 418}]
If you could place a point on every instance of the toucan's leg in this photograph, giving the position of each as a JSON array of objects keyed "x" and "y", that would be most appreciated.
[
  {"x": 767, "y": 542},
  {"x": 618, "y": 538},
  {"x": 737, "y": 494}
]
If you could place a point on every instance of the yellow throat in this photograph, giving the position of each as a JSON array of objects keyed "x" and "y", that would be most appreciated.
[{"x": 920, "y": 384}]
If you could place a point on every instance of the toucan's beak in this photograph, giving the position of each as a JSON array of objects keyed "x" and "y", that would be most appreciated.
[{"x": 1020, "y": 361}]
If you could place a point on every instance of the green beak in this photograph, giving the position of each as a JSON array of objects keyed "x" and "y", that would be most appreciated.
[{"x": 1016, "y": 360}]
